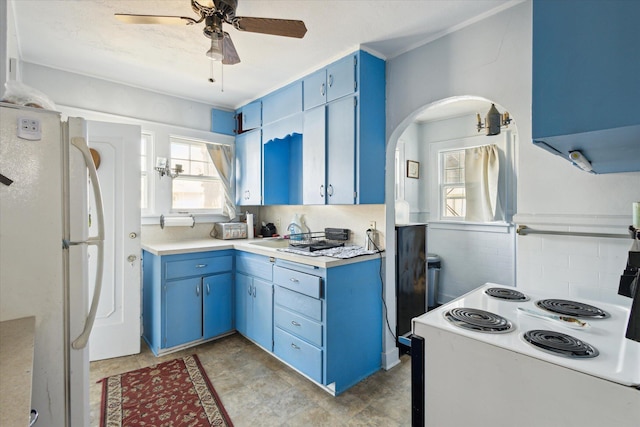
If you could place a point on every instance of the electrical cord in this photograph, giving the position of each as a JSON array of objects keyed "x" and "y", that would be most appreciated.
[{"x": 384, "y": 303}]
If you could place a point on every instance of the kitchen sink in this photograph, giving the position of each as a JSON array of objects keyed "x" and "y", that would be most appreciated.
[{"x": 272, "y": 243}]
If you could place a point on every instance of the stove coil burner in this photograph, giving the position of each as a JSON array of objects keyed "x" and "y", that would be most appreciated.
[
  {"x": 572, "y": 308},
  {"x": 560, "y": 344},
  {"x": 478, "y": 320},
  {"x": 506, "y": 294}
]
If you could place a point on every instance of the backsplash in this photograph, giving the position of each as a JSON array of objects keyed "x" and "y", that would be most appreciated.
[
  {"x": 354, "y": 217},
  {"x": 585, "y": 267}
]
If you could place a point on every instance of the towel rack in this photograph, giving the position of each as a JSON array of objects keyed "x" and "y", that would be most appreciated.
[{"x": 523, "y": 230}]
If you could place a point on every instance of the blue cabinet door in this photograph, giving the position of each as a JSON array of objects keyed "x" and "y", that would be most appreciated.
[
  {"x": 243, "y": 298},
  {"x": 314, "y": 157},
  {"x": 248, "y": 169},
  {"x": 251, "y": 116},
  {"x": 282, "y": 103},
  {"x": 314, "y": 88},
  {"x": 341, "y": 151},
  {"x": 217, "y": 294},
  {"x": 183, "y": 311},
  {"x": 261, "y": 326},
  {"x": 341, "y": 78}
]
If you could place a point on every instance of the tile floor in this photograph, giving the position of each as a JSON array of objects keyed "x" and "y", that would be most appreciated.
[{"x": 259, "y": 390}]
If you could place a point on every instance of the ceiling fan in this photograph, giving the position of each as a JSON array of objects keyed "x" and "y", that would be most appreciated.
[{"x": 214, "y": 14}]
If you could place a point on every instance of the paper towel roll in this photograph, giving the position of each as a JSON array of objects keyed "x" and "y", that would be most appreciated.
[
  {"x": 177, "y": 221},
  {"x": 636, "y": 214},
  {"x": 249, "y": 226}
]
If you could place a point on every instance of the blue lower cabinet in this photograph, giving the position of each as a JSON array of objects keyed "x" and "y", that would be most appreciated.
[
  {"x": 254, "y": 298},
  {"x": 217, "y": 303},
  {"x": 183, "y": 311},
  {"x": 303, "y": 356},
  {"x": 186, "y": 298},
  {"x": 328, "y": 322}
]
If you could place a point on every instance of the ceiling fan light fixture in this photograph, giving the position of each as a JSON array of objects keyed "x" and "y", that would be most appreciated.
[{"x": 215, "y": 51}]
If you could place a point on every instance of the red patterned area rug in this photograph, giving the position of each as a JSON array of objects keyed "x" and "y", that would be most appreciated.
[{"x": 173, "y": 393}]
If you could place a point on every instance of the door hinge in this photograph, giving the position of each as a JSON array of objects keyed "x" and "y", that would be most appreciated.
[
  {"x": 355, "y": 195},
  {"x": 355, "y": 101}
]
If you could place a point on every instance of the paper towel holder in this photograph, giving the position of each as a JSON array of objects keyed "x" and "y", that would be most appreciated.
[{"x": 167, "y": 221}]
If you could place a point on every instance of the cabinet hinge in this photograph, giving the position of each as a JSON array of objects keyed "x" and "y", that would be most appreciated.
[
  {"x": 355, "y": 101},
  {"x": 355, "y": 195}
]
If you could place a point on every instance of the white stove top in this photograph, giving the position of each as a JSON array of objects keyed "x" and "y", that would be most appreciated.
[{"x": 618, "y": 359}]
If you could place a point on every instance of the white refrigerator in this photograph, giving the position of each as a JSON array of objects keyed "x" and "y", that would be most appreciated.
[{"x": 46, "y": 168}]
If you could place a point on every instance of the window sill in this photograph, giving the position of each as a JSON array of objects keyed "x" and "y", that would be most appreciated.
[{"x": 487, "y": 227}]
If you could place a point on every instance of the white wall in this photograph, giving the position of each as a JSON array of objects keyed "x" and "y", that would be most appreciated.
[{"x": 103, "y": 96}]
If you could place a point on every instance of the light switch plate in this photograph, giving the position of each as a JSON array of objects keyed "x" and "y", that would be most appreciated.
[{"x": 29, "y": 128}]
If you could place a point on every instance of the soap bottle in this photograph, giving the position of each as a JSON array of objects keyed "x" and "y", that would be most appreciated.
[{"x": 295, "y": 228}]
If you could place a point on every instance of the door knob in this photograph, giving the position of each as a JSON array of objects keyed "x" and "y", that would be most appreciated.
[
  {"x": 132, "y": 235},
  {"x": 132, "y": 258}
]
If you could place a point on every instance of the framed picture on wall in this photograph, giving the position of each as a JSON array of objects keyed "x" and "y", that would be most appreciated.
[{"x": 413, "y": 169}]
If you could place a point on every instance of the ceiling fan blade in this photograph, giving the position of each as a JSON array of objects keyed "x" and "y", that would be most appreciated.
[
  {"x": 229, "y": 51},
  {"x": 154, "y": 19},
  {"x": 276, "y": 27}
]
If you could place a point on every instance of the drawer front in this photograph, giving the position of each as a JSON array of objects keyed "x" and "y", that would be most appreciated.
[
  {"x": 299, "y": 354},
  {"x": 309, "y": 307},
  {"x": 198, "y": 266},
  {"x": 298, "y": 325},
  {"x": 296, "y": 281},
  {"x": 255, "y": 267}
]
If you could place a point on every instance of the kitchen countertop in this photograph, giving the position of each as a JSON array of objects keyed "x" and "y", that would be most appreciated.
[
  {"x": 247, "y": 245},
  {"x": 16, "y": 367}
]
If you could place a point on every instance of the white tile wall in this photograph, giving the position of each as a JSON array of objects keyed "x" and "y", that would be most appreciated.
[
  {"x": 585, "y": 267},
  {"x": 470, "y": 259}
]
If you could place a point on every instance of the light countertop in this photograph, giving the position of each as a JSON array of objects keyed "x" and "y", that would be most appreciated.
[
  {"x": 247, "y": 245},
  {"x": 16, "y": 367}
]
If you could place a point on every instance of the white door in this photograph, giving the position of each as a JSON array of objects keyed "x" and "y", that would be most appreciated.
[{"x": 116, "y": 331}]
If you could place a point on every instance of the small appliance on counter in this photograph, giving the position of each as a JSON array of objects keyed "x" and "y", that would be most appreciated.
[
  {"x": 268, "y": 230},
  {"x": 230, "y": 230}
]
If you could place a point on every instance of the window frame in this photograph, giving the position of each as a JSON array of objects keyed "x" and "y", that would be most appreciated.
[{"x": 187, "y": 177}]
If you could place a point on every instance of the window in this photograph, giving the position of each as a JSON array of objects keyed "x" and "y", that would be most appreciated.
[
  {"x": 198, "y": 187},
  {"x": 146, "y": 142},
  {"x": 452, "y": 185}
]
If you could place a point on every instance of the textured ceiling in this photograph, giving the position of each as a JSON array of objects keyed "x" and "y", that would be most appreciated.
[{"x": 82, "y": 36}]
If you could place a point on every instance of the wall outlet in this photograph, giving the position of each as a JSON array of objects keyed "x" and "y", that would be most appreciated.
[
  {"x": 277, "y": 224},
  {"x": 372, "y": 225}
]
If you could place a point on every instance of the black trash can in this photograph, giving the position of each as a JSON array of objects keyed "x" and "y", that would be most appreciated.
[{"x": 434, "y": 264}]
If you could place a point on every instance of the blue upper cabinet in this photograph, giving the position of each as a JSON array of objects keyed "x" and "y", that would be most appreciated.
[
  {"x": 344, "y": 140},
  {"x": 323, "y": 138},
  {"x": 223, "y": 122},
  {"x": 586, "y": 83},
  {"x": 282, "y": 103},
  {"x": 251, "y": 116},
  {"x": 248, "y": 169},
  {"x": 335, "y": 81}
]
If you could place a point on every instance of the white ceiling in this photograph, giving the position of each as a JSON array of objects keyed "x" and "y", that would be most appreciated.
[{"x": 84, "y": 37}]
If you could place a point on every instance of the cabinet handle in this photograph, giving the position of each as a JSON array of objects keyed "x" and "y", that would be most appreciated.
[
  {"x": 322, "y": 89},
  {"x": 330, "y": 80},
  {"x": 249, "y": 290},
  {"x": 294, "y": 323},
  {"x": 294, "y": 280},
  {"x": 201, "y": 265},
  {"x": 330, "y": 190},
  {"x": 295, "y": 347},
  {"x": 322, "y": 190},
  {"x": 198, "y": 290},
  {"x": 208, "y": 289}
]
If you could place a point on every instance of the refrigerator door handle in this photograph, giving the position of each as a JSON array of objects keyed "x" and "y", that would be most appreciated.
[{"x": 98, "y": 241}]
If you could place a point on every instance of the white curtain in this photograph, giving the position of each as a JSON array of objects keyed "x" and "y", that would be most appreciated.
[
  {"x": 482, "y": 168},
  {"x": 222, "y": 157}
]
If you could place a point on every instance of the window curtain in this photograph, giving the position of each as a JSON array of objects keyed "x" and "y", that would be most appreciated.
[
  {"x": 482, "y": 168},
  {"x": 222, "y": 157}
]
